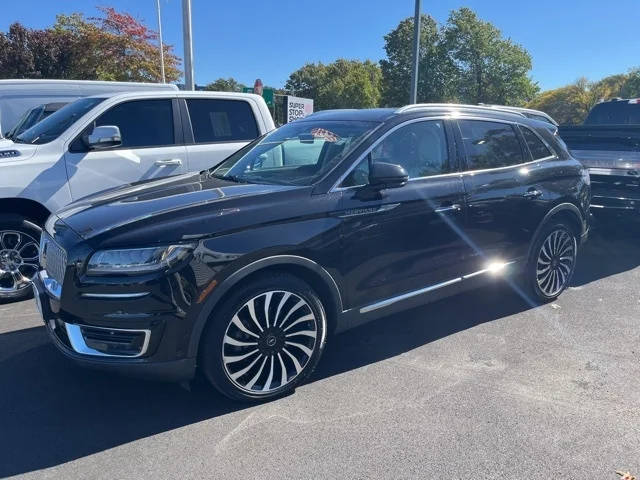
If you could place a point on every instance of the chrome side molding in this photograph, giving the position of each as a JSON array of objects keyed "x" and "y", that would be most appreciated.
[{"x": 495, "y": 268}]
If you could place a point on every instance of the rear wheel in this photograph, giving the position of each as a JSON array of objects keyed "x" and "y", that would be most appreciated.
[
  {"x": 552, "y": 262},
  {"x": 19, "y": 252},
  {"x": 265, "y": 340}
]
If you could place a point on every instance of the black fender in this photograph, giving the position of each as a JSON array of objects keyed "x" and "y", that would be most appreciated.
[
  {"x": 237, "y": 276},
  {"x": 562, "y": 207}
]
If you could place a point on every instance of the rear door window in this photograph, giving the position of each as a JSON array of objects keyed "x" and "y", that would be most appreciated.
[
  {"x": 537, "y": 148},
  {"x": 142, "y": 123},
  {"x": 490, "y": 144},
  {"x": 221, "y": 120}
]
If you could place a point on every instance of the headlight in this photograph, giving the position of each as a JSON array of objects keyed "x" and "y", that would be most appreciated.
[{"x": 138, "y": 260}]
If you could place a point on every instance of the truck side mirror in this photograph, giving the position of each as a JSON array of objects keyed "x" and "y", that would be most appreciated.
[{"x": 105, "y": 136}]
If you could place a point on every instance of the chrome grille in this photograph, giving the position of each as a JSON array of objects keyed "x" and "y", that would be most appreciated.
[{"x": 53, "y": 258}]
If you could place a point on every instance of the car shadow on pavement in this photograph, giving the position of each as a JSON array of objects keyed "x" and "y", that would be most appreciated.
[
  {"x": 402, "y": 332},
  {"x": 614, "y": 247},
  {"x": 53, "y": 411}
]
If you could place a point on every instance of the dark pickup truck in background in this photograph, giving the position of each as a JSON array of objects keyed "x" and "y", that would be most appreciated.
[{"x": 608, "y": 144}]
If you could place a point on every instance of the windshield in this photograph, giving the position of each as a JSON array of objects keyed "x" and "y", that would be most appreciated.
[
  {"x": 27, "y": 119},
  {"x": 53, "y": 126},
  {"x": 298, "y": 153}
]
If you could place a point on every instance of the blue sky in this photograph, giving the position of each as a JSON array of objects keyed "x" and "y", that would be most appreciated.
[{"x": 271, "y": 38}]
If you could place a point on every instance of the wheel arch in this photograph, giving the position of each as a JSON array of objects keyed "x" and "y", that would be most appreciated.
[
  {"x": 304, "y": 268},
  {"x": 564, "y": 211},
  {"x": 30, "y": 209}
]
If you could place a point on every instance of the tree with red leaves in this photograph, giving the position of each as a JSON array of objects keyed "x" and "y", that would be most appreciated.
[{"x": 114, "y": 46}]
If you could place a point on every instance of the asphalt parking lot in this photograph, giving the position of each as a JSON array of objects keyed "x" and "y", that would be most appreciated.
[{"x": 478, "y": 386}]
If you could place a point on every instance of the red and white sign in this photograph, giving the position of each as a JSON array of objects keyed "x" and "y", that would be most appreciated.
[{"x": 298, "y": 108}]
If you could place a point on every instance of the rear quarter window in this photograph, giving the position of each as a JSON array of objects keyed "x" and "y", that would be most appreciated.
[
  {"x": 536, "y": 147},
  {"x": 490, "y": 144},
  {"x": 221, "y": 120}
]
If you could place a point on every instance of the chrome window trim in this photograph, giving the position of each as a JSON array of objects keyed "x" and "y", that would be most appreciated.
[
  {"x": 518, "y": 165},
  {"x": 453, "y": 116},
  {"x": 337, "y": 188},
  {"x": 544, "y": 142},
  {"x": 78, "y": 344}
]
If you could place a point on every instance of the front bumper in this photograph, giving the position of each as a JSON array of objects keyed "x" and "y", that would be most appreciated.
[{"x": 149, "y": 353}]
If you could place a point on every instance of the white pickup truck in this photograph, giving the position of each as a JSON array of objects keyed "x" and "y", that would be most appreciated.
[{"x": 96, "y": 143}]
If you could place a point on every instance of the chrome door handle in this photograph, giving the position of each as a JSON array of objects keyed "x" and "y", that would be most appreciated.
[
  {"x": 532, "y": 194},
  {"x": 449, "y": 208},
  {"x": 170, "y": 162}
]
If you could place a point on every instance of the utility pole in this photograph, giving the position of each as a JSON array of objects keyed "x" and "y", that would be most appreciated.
[
  {"x": 160, "y": 38},
  {"x": 413, "y": 94},
  {"x": 188, "y": 45}
]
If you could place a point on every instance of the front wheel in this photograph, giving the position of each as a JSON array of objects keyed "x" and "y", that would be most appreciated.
[
  {"x": 19, "y": 252},
  {"x": 265, "y": 340},
  {"x": 552, "y": 262}
]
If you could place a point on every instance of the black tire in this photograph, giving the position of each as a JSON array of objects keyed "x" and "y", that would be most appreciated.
[
  {"x": 280, "y": 364},
  {"x": 547, "y": 276},
  {"x": 13, "y": 227}
]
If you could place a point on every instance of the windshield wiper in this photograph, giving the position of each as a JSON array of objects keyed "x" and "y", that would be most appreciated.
[{"x": 231, "y": 178}]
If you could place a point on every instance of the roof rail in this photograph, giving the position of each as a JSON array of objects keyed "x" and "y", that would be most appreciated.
[{"x": 483, "y": 108}]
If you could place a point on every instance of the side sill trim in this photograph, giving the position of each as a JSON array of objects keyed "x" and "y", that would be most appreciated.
[
  {"x": 405, "y": 296},
  {"x": 399, "y": 298}
]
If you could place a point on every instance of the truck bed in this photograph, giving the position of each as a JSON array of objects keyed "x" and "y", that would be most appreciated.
[{"x": 612, "y": 155}]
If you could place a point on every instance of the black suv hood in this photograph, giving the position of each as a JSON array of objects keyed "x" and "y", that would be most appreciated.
[{"x": 162, "y": 204}]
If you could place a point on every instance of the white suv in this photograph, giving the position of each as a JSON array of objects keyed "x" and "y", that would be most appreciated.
[{"x": 104, "y": 141}]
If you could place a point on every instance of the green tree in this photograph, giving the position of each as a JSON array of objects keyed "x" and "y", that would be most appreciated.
[
  {"x": 564, "y": 104},
  {"x": 436, "y": 72},
  {"x": 571, "y": 104},
  {"x": 491, "y": 69},
  {"x": 341, "y": 84},
  {"x": 631, "y": 86},
  {"x": 307, "y": 81},
  {"x": 225, "y": 85}
]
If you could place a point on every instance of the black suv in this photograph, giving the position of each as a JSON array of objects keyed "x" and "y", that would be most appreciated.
[{"x": 321, "y": 225}]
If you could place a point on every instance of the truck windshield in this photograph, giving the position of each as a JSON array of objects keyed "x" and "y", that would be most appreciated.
[
  {"x": 298, "y": 153},
  {"x": 53, "y": 126}
]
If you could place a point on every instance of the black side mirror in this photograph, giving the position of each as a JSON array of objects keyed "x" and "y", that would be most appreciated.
[{"x": 387, "y": 175}]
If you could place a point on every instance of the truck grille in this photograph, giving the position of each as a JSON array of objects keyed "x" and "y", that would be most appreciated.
[{"x": 53, "y": 258}]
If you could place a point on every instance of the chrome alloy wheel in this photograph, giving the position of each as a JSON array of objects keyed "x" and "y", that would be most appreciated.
[
  {"x": 556, "y": 261},
  {"x": 269, "y": 341},
  {"x": 19, "y": 262}
]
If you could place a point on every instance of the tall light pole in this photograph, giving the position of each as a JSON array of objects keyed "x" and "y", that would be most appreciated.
[
  {"x": 188, "y": 45},
  {"x": 413, "y": 94},
  {"x": 160, "y": 38}
]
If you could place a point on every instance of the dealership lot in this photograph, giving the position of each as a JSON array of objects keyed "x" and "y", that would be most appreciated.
[{"x": 478, "y": 386}]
